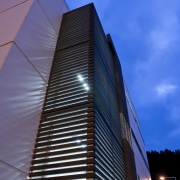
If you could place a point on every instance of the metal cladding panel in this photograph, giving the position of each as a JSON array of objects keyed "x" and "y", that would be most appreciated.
[
  {"x": 11, "y": 21},
  {"x": 4, "y": 50},
  {"x": 142, "y": 170},
  {"x": 141, "y": 161},
  {"x": 54, "y": 10},
  {"x": 21, "y": 97},
  {"x": 22, "y": 81},
  {"x": 8, "y": 173},
  {"x": 37, "y": 39},
  {"x": 9, "y": 4},
  {"x": 136, "y": 130},
  {"x": 135, "y": 127}
]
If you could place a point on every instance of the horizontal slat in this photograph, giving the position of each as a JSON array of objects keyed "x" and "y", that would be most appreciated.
[
  {"x": 88, "y": 175},
  {"x": 64, "y": 114},
  {"x": 88, "y": 142},
  {"x": 64, "y": 128},
  {"x": 63, "y": 152},
  {"x": 51, "y": 136},
  {"x": 58, "y": 165},
  {"x": 45, "y": 115},
  {"x": 67, "y": 99},
  {"x": 89, "y": 135},
  {"x": 104, "y": 167},
  {"x": 67, "y": 134},
  {"x": 86, "y": 168},
  {"x": 49, "y": 160},
  {"x": 65, "y": 121},
  {"x": 68, "y": 105},
  {"x": 78, "y": 70}
]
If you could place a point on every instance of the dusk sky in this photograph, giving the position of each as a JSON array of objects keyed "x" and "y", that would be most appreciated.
[{"x": 146, "y": 35}]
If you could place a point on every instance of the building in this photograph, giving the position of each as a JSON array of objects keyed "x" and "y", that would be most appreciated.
[
  {"x": 75, "y": 122},
  {"x": 28, "y": 36},
  {"x": 141, "y": 162}
]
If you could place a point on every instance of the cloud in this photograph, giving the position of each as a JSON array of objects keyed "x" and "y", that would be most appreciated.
[
  {"x": 160, "y": 42},
  {"x": 163, "y": 90},
  {"x": 165, "y": 33}
]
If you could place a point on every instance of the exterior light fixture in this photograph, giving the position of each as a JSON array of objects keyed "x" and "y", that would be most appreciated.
[
  {"x": 80, "y": 78},
  {"x": 86, "y": 86},
  {"x": 83, "y": 146},
  {"x": 78, "y": 141},
  {"x": 163, "y": 178}
]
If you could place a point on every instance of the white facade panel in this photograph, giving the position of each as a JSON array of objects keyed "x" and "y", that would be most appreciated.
[
  {"x": 21, "y": 98},
  {"x": 7, "y": 4},
  {"x": 27, "y": 44},
  {"x": 4, "y": 50},
  {"x": 11, "y": 21},
  {"x": 7, "y": 172},
  {"x": 54, "y": 10},
  {"x": 37, "y": 37}
]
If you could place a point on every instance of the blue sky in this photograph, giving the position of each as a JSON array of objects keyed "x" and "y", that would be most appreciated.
[{"x": 146, "y": 35}]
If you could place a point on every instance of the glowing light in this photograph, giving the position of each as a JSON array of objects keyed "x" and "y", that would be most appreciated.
[
  {"x": 86, "y": 86},
  {"x": 163, "y": 178},
  {"x": 83, "y": 146},
  {"x": 80, "y": 78}
]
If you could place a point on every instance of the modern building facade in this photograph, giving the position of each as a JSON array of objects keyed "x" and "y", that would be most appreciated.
[
  {"x": 69, "y": 112},
  {"x": 28, "y": 36},
  {"x": 141, "y": 162}
]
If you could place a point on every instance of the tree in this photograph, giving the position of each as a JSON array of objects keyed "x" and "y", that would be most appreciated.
[{"x": 166, "y": 163}]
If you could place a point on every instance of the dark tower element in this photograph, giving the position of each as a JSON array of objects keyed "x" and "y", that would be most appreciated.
[{"x": 81, "y": 133}]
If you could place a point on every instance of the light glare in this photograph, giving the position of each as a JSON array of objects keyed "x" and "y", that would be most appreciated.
[
  {"x": 87, "y": 88},
  {"x": 80, "y": 78},
  {"x": 83, "y": 146}
]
